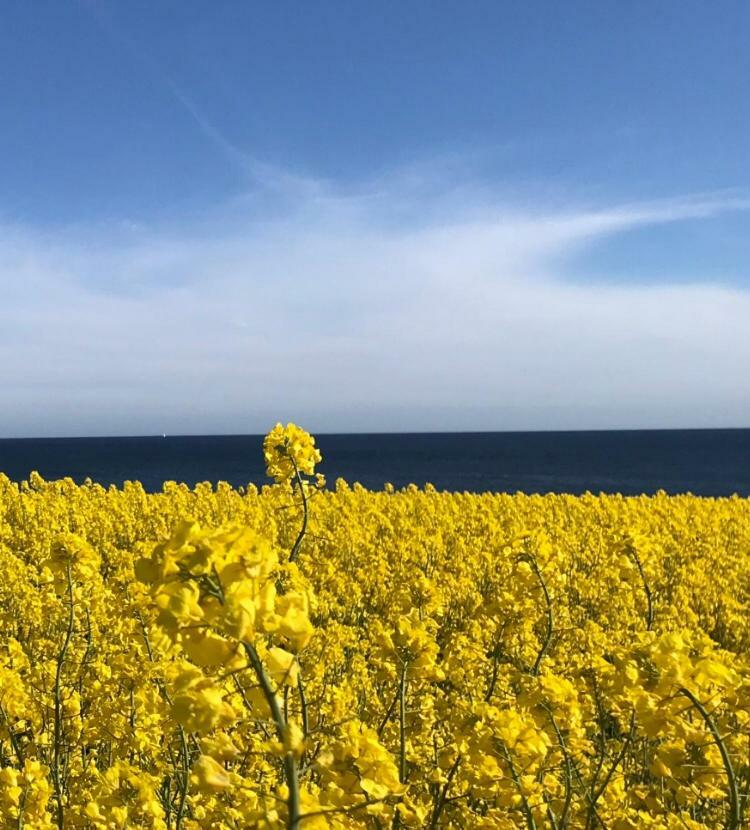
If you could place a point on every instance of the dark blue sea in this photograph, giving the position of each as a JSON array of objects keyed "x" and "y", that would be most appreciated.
[{"x": 704, "y": 462}]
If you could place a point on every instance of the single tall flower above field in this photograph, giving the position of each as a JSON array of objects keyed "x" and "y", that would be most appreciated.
[
  {"x": 290, "y": 451},
  {"x": 291, "y": 455}
]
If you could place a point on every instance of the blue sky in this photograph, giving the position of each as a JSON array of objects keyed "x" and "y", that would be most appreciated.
[{"x": 444, "y": 215}]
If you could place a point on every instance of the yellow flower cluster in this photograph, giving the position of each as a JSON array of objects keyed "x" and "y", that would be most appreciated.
[
  {"x": 289, "y": 451},
  {"x": 302, "y": 658}
]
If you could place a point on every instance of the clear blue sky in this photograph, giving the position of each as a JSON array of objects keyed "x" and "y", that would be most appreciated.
[{"x": 462, "y": 215}]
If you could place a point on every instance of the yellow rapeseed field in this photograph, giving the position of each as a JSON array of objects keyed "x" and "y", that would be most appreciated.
[{"x": 303, "y": 657}]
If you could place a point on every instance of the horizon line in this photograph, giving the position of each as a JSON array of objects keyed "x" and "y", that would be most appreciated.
[{"x": 315, "y": 434}]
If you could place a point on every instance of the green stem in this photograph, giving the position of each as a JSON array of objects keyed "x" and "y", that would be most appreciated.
[
  {"x": 440, "y": 802},
  {"x": 550, "y": 619},
  {"x": 568, "y": 769},
  {"x": 304, "y": 713},
  {"x": 528, "y": 815},
  {"x": 290, "y": 765},
  {"x": 735, "y": 815},
  {"x": 402, "y": 725},
  {"x": 646, "y": 590},
  {"x": 295, "y": 550},
  {"x": 57, "y": 750}
]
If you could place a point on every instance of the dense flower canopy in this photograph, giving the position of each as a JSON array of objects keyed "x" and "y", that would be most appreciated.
[{"x": 427, "y": 660}]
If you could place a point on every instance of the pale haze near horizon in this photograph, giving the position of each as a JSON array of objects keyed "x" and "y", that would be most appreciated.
[{"x": 458, "y": 282}]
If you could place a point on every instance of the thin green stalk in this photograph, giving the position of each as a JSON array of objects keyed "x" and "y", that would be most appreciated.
[
  {"x": 183, "y": 780},
  {"x": 529, "y": 816},
  {"x": 303, "y": 530},
  {"x": 22, "y": 808},
  {"x": 402, "y": 725},
  {"x": 13, "y": 737},
  {"x": 290, "y": 765},
  {"x": 401, "y": 697},
  {"x": 568, "y": 770},
  {"x": 440, "y": 802},
  {"x": 646, "y": 590},
  {"x": 58, "y": 726},
  {"x": 389, "y": 712},
  {"x": 550, "y": 619},
  {"x": 304, "y": 714},
  {"x": 735, "y": 815}
]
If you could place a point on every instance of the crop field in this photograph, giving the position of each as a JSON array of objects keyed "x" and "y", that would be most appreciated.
[{"x": 303, "y": 656}]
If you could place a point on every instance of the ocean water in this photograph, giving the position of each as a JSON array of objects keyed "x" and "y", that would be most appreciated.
[{"x": 704, "y": 462}]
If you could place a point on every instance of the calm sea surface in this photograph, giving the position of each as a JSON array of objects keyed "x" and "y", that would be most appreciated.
[{"x": 705, "y": 462}]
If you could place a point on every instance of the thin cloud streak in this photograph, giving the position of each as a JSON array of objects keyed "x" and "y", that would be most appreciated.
[
  {"x": 254, "y": 171},
  {"x": 333, "y": 314}
]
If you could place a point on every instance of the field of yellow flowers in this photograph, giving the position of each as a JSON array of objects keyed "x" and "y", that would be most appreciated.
[{"x": 303, "y": 657}]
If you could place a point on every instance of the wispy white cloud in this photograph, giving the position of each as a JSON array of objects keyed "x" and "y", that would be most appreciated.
[
  {"x": 375, "y": 309},
  {"x": 253, "y": 171}
]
